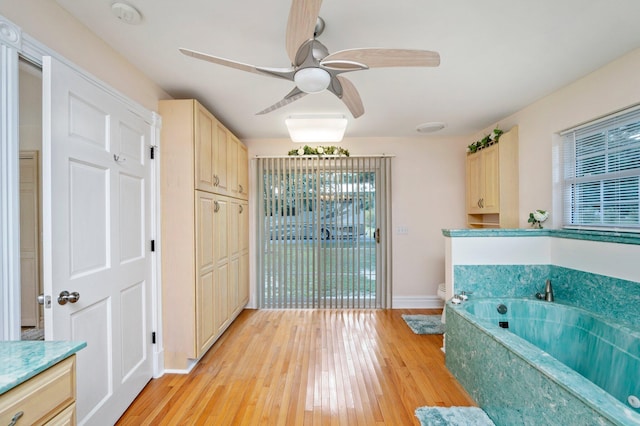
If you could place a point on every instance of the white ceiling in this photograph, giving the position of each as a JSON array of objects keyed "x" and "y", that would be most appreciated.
[{"x": 497, "y": 56}]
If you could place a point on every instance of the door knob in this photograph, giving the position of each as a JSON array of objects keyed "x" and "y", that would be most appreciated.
[{"x": 65, "y": 297}]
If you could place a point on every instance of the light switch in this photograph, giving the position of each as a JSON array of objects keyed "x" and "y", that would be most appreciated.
[{"x": 402, "y": 230}]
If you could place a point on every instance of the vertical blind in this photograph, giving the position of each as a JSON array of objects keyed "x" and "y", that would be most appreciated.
[
  {"x": 323, "y": 232},
  {"x": 602, "y": 173}
]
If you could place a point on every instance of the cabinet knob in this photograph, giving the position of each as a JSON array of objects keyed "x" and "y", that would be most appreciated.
[
  {"x": 240, "y": 208},
  {"x": 240, "y": 189},
  {"x": 16, "y": 417},
  {"x": 216, "y": 207}
]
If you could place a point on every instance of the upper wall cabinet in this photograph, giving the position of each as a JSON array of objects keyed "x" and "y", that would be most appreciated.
[
  {"x": 492, "y": 184},
  {"x": 219, "y": 166}
]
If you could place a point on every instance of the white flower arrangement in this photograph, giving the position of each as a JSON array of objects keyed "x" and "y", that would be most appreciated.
[
  {"x": 537, "y": 217},
  {"x": 320, "y": 151}
]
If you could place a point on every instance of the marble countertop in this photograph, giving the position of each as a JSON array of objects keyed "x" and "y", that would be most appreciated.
[
  {"x": 576, "y": 234},
  {"x": 21, "y": 360}
]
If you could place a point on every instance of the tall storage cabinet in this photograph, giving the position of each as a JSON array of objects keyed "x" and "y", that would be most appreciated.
[
  {"x": 204, "y": 281},
  {"x": 492, "y": 184}
]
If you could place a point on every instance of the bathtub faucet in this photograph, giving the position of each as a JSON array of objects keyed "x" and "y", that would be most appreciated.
[{"x": 548, "y": 292}]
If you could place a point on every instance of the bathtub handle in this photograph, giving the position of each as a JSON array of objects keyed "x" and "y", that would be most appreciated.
[{"x": 464, "y": 295}]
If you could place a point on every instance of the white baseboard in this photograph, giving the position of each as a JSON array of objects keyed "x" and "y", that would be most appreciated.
[
  {"x": 417, "y": 302},
  {"x": 158, "y": 364},
  {"x": 192, "y": 364}
]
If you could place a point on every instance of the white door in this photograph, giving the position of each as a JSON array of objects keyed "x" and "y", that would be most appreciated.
[{"x": 96, "y": 241}]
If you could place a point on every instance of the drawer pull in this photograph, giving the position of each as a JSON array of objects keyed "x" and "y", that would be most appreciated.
[{"x": 15, "y": 418}]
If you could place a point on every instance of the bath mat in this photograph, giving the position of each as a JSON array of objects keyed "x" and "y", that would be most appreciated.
[
  {"x": 424, "y": 324},
  {"x": 453, "y": 416}
]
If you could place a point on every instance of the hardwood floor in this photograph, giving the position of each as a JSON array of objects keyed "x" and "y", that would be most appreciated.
[{"x": 306, "y": 367}]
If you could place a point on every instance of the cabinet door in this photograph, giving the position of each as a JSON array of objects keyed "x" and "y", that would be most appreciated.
[
  {"x": 232, "y": 164},
  {"x": 205, "y": 149},
  {"x": 221, "y": 169},
  {"x": 243, "y": 237},
  {"x": 475, "y": 183},
  {"x": 221, "y": 230},
  {"x": 234, "y": 252},
  {"x": 243, "y": 279},
  {"x": 221, "y": 278},
  {"x": 221, "y": 295},
  {"x": 206, "y": 328},
  {"x": 491, "y": 190},
  {"x": 243, "y": 171},
  {"x": 233, "y": 286},
  {"x": 243, "y": 227}
]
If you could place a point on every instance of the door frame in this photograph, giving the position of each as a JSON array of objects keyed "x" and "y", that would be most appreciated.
[{"x": 15, "y": 44}]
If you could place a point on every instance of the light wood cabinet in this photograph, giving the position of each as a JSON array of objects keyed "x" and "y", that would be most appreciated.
[
  {"x": 492, "y": 184},
  {"x": 243, "y": 172},
  {"x": 199, "y": 168},
  {"x": 47, "y": 398},
  {"x": 221, "y": 165}
]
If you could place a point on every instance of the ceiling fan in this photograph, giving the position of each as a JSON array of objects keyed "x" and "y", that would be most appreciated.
[{"x": 314, "y": 69}]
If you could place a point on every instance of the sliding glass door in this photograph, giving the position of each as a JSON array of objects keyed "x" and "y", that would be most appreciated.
[{"x": 322, "y": 232}]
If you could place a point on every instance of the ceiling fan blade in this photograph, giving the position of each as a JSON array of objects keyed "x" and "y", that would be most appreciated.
[
  {"x": 343, "y": 65},
  {"x": 351, "y": 97},
  {"x": 284, "y": 73},
  {"x": 378, "y": 57},
  {"x": 303, "y": 16},
  {"x": 292, "y": 96},
  {"x": 220, "y": 61}
]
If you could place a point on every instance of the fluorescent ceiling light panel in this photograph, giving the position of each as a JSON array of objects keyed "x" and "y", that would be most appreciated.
[{"x": 316, "y": 128}]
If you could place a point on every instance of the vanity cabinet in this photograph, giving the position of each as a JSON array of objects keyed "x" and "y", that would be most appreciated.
[
  {"x": 200, "y": 195},
  {"x": 46, "y": 399},
  {"x": 492, "y": 184}
]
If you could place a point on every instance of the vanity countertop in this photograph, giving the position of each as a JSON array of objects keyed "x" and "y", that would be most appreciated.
[{"x": 21, "y": 360}]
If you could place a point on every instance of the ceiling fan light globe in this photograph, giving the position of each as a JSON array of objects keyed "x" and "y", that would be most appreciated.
[{"x": 312, "y": 80}]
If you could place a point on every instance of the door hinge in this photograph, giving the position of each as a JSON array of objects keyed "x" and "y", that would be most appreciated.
[
  {"x": 153, "y": 152},
  {"x": 153, "y": 245},
  {"x": 376, "y": 235},
  {"x": 153, "y": 337}
]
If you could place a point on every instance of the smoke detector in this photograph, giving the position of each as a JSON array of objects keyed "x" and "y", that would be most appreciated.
[{"x": 126, "y": 13}]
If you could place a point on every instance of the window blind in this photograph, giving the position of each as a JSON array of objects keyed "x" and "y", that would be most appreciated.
[
  {"x": 602, "y": 173},
  {"x": 322, "y": 233}
]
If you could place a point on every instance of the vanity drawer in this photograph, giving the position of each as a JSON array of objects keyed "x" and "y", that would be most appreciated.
[{"x": 42, "y": 397}]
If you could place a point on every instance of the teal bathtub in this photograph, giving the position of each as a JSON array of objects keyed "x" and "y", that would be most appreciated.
[{"x": 544, "y": 363}]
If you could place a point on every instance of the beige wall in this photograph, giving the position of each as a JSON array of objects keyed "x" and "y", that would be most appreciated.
[
  {"x": 428, "y": 172},
  {"x": 609, "y": 89},
  {"x": 428, "y": 195},
  {"x": 52, "y": 26},
  {"x": 30, "y": 108}
]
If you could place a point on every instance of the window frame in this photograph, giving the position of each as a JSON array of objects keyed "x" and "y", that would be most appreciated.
[{"x": 591, "y": 157}]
